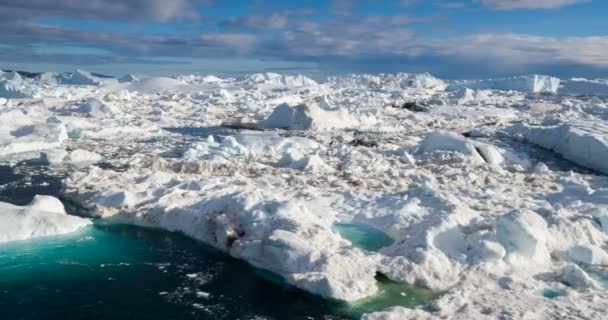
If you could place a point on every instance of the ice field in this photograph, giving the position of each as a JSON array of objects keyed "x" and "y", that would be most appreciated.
[{"x": 488, "y": 198}]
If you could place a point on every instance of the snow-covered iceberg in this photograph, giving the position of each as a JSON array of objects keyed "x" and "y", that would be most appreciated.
[
  {"x": 44, "y": 216},
  {"x": 25, "y": 131},
  {"x": 311, "y": 117},
  {"x": 96, "y": 108}
]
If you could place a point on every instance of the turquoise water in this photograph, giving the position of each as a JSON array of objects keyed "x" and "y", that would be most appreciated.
[
  {"x": 125, "y": 272},
  {"x": 551, "y": 293},
  {"x": 391, "y": 294},
  {"x": 363, "y": 236}
]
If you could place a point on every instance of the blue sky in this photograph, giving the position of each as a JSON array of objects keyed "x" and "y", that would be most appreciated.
[{"x": 451, "y": 38}]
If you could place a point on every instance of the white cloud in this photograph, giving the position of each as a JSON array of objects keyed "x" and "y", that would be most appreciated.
[
  {"x": 518, "y": 49},
  {"x": 161, "y": 10},
  {"x": 527, "y": 4}
]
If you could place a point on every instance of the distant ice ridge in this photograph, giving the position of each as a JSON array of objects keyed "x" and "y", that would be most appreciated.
[
  {"x": 275, "y": 79},
  {"x": 79, "y": 77},
  {"x": 44, "y": 216},
  {"x": 530, "y": 83},
  {"x": 390, "y": 81},
  {"x": 580, "y": 141}
]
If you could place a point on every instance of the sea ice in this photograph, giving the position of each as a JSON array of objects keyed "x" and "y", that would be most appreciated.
[{"x": 477, "y": 211}]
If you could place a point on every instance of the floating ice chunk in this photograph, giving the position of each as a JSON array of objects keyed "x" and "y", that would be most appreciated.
[
  {"x": 84, "y": 156},
  {"x": 77, "y": 157},
  {"x": 582, "y": 142},
  {"x": 95, "y": 108},
  {"x": 44, "y": 216},
  {"x": 12, "y": 76},
  {"x": 489, "y": 153},
  {"x": 422, "y": 81},
  {"x": 524, "y": 235},
  {"x": 601, "y": 217},
  {"x": 256, "y": 144},
  {"x": 463, "y": 96},
  {"x": 12, "y": 86},
  {"x": 312, "y": 117},
  {"x": 451, "y": 142},
  {"x": 8, "y": 89},
  {"x": 575, "y": 277},
  {"x": 531, "y": 83},
  {"x": 588, "y": 254},
  {"x": 482, "y": 246},
  {"x": 128, "y": 78},
  {"x": 346, "y": 276},
  {"x": 261, "y": 143},
  {"x": 541, "y": 167},
  {"x": 296, "y": 159},
  {"x": 80, "y": 77},
  {"x": 32, "y": 138},
  {"x": 486, "y": 250},
  {"x": 211, "y": 79}
]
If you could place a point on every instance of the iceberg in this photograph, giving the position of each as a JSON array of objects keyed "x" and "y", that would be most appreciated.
[
  {"x": 81, "y": 78},
  {"x": 44, "y": 216},
  {"x": 311, "y": 117}
]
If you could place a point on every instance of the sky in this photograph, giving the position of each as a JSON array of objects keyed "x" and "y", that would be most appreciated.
[{"x": 450, "y": 39}]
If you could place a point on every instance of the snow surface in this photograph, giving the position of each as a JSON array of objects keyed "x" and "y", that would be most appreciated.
[
  {"x": 44, "y": 216},
  {"x": 482, "y": 189}
]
